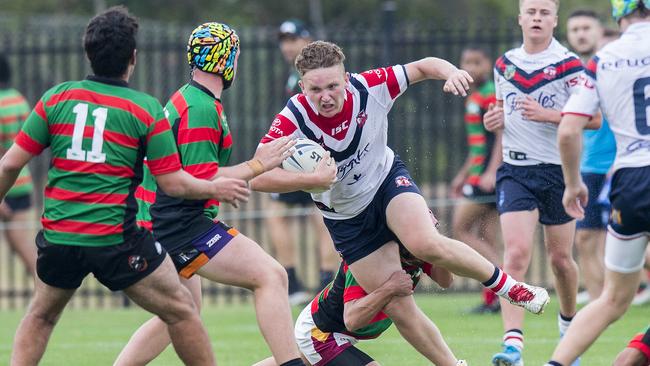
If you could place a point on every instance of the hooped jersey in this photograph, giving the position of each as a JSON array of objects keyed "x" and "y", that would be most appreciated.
[
  {"x": 617, "y": 80},
  {"x": 99, "y": 132},
  {"x": 204, "y": 144},
  {"x": 356, "y": 137},
  {"x": 479, "y": 141},
  {"x": 328, "y": 306},
  {"x": 549, "y": 77},
  {"x": 13, "y": 111}
]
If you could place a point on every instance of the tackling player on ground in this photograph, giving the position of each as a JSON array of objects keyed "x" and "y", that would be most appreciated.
[
  {"x": 99, "y": 130},
  {"x": 373, "y": 202},
  {"x": 616, "y": 80},
  {"x": 189, "y": 230}
]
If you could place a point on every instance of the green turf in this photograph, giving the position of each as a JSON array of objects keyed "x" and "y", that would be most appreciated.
[{"x": 95, "y": 337}]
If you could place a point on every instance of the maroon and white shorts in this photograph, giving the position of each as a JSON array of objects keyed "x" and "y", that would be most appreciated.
[{"x": 318, "y": 347}]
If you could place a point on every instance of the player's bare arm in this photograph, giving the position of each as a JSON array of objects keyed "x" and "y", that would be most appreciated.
[
  {"x": 489, "y": 177},
  {"x": 569, "y": 137},
  {"x": 457, "y": 81},
  {"x": 494, "y": 118},
  {"x": 182, "y": 184},
  {"x": 280, "y": 180},
  {"x": 358, "y": 313},
  {"x": 267, "y": 157},
  {"x": 10, "y": 166}
]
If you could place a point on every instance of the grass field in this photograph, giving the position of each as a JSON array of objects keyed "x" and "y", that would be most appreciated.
[{"x": 95, "y": 337}]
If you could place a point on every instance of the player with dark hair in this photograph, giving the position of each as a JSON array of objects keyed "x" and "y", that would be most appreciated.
[
  {"x": 99, "y": 130},
  {"x": 371, "y": 201},
  {"x": 14, "y": 209},
  {"x": 475, "y": 220},
  {"x": 198, "y": 242},
  {"x": 616, "y": 82}
]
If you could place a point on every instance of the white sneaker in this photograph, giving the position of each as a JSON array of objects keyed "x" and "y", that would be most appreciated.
[
  {"x": 531, "y": 298},
  {"x": 583, "y": 298},
  {"x": 642, "y": 297},
  {"x": 461, "y": 363}
]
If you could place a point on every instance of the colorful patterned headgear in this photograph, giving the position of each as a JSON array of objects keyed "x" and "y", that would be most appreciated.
[
  {"x": 212, "y": 48},
  {"x": 621, "y": 8}
]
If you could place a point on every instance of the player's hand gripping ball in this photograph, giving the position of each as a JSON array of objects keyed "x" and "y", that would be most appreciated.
[{"x": 305, "y": 158}]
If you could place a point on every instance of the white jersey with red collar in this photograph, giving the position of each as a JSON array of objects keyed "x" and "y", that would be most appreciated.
[
  {"x": 356, "y": 137},
  {"x": 548, "y": 77},
  {"x": 617, "y": 80}
]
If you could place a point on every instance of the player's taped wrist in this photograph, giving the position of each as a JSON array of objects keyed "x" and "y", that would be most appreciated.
[{"x": 256, "y": 166}]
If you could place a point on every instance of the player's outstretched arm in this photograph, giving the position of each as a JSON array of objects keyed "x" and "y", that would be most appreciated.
[
  {"x": 10, "y": 166},
  {"x": 457, "y": 81},
  {"x": 182, "y": 184},
  {"x": 569, "y": 139},
  {"x": 279, "y": 180},
  {"x": 358, "y": 313},
  {"x": 267, "y": 157}
]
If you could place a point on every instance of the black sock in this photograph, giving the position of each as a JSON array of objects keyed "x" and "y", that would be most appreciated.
[
  {"x": 294, "y": 284},
  {"x": 553, "y": 363},
  {"x": 294, "y": 362}
]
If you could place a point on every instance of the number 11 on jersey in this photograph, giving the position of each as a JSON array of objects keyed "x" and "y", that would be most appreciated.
[{"x": 76, "y": 152}]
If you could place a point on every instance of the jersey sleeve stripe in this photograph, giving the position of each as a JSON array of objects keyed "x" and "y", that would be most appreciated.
[
  {"x": 577, "y": 114},
  {"x": 203, "y": 170},
  {"x": 210, "y": 203},
  {"x": 92, "y": 168},
  {"x": 88, "y": 96},
  {"x": 592, "y": 67},
  {"x": 158, "y": 128},
  {"x": 7, "y": 120},
  {"x": 79, "y": 227},
  {"x": 40, "y": 110},
  {"x": 165, "y": 165},
  {"x": 392, "y": 84},
  {"x": 92, "y": 198},
  {"x": 27, "y": 143},
  {"x": 198, "y": 134},
  {"x": 145, "y": 195}
]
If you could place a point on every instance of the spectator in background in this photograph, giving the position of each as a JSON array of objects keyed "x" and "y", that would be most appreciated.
[
  {"x": 293, "y": 36},
  {"x": 585, "y": 33},
  {"x": 475, "y": 220},
  {"x": 14, "y": 210}
]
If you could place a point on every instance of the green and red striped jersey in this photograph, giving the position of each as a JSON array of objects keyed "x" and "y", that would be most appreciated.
[
  {"x": 204, "y": 144},
  {"x": 99, "y": 131},
  {"x": 328, "y": 306},
  {"x": 145, "y": 195},
  {"x": 13, "y": 111},
  {"x": 479, "y": 140}
]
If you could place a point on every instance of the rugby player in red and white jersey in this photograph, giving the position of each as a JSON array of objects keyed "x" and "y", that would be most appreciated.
[
  {"x": 616, "y": 80},
  {"x": 533, "y": 82},
  {"x": 372, "y": 202}
]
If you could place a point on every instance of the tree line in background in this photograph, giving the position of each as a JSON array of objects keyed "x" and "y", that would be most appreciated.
[{"x": 314, "y": 12}]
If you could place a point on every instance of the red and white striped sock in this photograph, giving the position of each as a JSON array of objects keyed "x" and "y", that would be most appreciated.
[
  {"x": 500, "y": 282},
  {"x": 515, "y": 338}
]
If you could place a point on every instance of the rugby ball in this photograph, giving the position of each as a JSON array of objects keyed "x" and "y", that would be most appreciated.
[{"x": 306, "y": 156}]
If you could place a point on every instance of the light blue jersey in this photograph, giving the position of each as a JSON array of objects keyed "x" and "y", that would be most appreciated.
[{"x": 599, "y": 150}]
